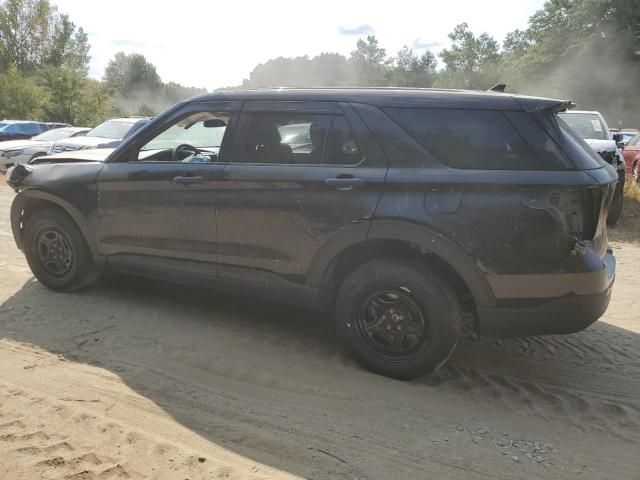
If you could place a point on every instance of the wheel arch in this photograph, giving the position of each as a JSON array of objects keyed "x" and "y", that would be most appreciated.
[
  {"x": 30, "y": 201},
  {"x": 397, "y": 238}
]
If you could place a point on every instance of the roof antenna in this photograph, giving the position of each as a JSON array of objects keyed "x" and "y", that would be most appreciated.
[{"x": 498, "y": 88}]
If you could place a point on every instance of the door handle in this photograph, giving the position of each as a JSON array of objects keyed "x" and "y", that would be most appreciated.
[
  {"x": 345, "y": 183},
  {"x": 188, "y": 180}
]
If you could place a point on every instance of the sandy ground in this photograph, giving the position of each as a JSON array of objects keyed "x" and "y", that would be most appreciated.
[{"x": 138, "y": 379}]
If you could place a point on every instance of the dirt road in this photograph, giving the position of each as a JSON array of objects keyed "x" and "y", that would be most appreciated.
[{"x": 138, "y": 379}]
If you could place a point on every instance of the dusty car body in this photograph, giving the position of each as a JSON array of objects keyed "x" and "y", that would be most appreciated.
[{"x": 403, "y": 209}]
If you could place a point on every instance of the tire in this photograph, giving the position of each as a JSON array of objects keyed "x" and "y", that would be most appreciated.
[
  {"x": 635, "y": 172},
  {"x": 425, "y": 297},
  {"x": 52, "y": 239},
  {"x": 615, "y": 210}
]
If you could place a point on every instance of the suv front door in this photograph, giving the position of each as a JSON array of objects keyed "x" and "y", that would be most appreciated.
[
  {"x": 305, "y": 179},
  {"x": 157, "y": 197}
]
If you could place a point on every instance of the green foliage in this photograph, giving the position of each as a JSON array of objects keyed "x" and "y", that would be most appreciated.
[
  {"x": 65, "y": 87},
  {"x": 33, "y": 35},
  {"x": 409, "y": 70},
  {"x": 370, "y": 62},
  {"x": 20, "y": 97},
  {"x": 128, "y": 74}
]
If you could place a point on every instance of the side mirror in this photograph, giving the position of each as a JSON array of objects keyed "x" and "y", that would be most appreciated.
[
  {"x": 214, "y": 123},
  {"x": 618, "y": 137}
]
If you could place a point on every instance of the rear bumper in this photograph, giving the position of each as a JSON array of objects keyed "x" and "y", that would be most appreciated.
[{"x": 564, "y": 313}]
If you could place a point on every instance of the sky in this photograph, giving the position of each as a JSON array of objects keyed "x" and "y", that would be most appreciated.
[{"x": 211, "y": 44}]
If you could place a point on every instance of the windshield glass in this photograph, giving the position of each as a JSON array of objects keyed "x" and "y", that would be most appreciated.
[
  {"x": 111, "y": 129},
  {"x": 53, "y": 135},
  {"x": 586, "y": 125},
  {"x": 202, "y": 133}
]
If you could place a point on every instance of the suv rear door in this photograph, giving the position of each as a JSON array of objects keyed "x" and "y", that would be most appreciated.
[{"x": 304, "y": 178}]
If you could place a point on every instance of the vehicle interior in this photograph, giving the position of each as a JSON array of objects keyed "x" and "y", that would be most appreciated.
[{"x": 195, "y": 139}]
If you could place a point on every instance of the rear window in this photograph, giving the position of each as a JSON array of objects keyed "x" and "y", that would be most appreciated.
[
  {"x": 586, "y": 125},
  {"x": 578, "y": 150},
  {"x": 468, "y": 139}
]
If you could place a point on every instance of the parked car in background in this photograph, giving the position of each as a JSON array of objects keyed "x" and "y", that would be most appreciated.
[
  {"x": 18, "y": 129},
  {"x": 396, "y": 209},
  {"x": 54, "y": 125},
  {"x": 592, "y": 127},
  {"x": 13, "y": 152},
  {"x": 108, "y": 134},
  {"x": 627, "y": 135},
  {"x": 631, "y": 153}
]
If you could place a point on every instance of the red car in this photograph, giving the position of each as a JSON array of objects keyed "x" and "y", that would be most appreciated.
[{"x": 631, "y": 153}]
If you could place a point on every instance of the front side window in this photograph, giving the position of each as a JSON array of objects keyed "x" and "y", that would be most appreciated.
[
  {"x": 468, "y": 139},
  {"x": 300, "y": 139},
  {"x": 194, "y": 139}
]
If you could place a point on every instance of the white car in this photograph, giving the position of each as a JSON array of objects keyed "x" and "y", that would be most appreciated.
[{"x": 13, "y": 152}]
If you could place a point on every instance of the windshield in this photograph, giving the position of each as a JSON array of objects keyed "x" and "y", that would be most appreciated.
[
  {"x": 586, "y": 125},
  {"x": 111, "y": 129},
  {"x": 53, "y": 135},
  {"x": 199, "y": 134}
]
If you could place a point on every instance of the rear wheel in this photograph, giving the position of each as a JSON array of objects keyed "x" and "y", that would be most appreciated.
[
  {"x": 57, "y": 252},
  {"x": 397, "y": 320}
]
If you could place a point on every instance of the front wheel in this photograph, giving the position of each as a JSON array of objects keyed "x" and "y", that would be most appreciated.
[
  {"x": 398, "y": 320},
  {"x": 57, "y": 252}
]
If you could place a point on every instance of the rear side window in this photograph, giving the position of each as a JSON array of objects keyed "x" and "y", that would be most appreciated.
[
  {"x": 29, "y": 128},
  {"x": 545, "y": 148},
  {"x": 299, "y": 139},
  {"x": 468, "y": 139}
]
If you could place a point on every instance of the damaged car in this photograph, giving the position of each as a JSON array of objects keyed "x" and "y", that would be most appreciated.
[{"x": 401, "y": 211}]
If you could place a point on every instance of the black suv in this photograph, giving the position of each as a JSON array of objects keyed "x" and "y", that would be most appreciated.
[{"x": 397, "y": 209}]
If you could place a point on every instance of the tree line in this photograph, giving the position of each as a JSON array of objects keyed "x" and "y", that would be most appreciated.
[
  {"x": 44, "y": 64},
  {"x": 584, "y": 50}
]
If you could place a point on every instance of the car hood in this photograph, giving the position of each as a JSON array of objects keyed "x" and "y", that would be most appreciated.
[
  {"x": 601, "y": 145},
  {"x": 93, "y": 142},
  {"x": 91, "y": 155},
  {"x": 17, "y": 144}
]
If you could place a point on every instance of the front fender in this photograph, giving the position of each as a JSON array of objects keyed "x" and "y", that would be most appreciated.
[{"x": 18, "y": 206}]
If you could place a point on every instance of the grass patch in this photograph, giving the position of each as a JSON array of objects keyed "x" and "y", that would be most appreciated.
[{"x": 628, "y": 229}]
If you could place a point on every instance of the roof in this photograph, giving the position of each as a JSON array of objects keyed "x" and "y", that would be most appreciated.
[{"x": 392, "y": 96}]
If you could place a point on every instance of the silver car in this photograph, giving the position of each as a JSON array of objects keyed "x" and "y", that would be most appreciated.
[{"x": 13, "y": 152}]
